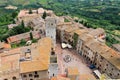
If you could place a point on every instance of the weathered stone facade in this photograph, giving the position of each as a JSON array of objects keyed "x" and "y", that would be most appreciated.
[
  {"x": 37, "y": 75},
  {"x": 50, "y": 28},
  {"x": 94, "y": 51}
]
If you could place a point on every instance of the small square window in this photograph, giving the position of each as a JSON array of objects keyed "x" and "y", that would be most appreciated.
[
  {"x": 36, "y": 76},
  {"x": 24, "y": 75},
  {"x": 110, "y": 74},
  {"x": 51, "y": 23},
  {"x": 30, "y": 75},
  {"x": 112, "y": 68},
  {"x": 35, "y": 72}
]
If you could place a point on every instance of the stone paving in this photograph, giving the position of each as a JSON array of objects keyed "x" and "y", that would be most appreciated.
[{"x": 75, "y": 61}]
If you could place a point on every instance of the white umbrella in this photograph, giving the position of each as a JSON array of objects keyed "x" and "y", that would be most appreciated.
[{"x": 64, "y": 45}]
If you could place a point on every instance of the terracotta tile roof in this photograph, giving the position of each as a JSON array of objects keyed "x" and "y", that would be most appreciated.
[
  {"x": 117, "y": 46},
  {"x": 41, "y": 11},
  {"x": 23, "y": 36},
  {"x": 5, "y": 67},
  {"x": 64, "y": 23},
  {"x": 71, "y": 29},
  {"x": 24, "y": 13},
  {"x": 1, "y": 44},
  {"x": 42, "y": 49},
  {"x": 102, "y": 49},
  {"x": 31, "y": 66},
  {"x": 72, "y": 71},
  {"x": 63, "y": 27},
  {"x": 37, "y": 22},
  {"x": 86, "y": 77},
  {"x": 109, "y": 54},
  {"x": 81, "y": 31},
  {"x": 44, "y": 79},
  {"x": 59, "y": 78},
  {"x": 113, "y": 57},
  {"x": 97, "y": 32},
  {"x": 7, "y": 45},
  {"x": 10, "y": 66},
  {"x": 10, "y": 52},
  {"x": 85, "y": 37},
  {"x": 10, "y": 60},
  {"x": 40, "y": 56},
  {"x": 18, "y": 37},
  {"x": 96, "y": 46},
  {"x": 36, "y": 34}
]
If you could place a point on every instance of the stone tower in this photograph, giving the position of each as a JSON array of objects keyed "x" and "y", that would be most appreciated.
[{"x": 50, "y": 28}]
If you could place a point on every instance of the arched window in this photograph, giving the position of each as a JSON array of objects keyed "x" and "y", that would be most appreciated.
[{"x": 14, "y": 78}]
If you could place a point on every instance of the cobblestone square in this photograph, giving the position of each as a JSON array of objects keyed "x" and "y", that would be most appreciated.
[{"x": 75, "y": 60}]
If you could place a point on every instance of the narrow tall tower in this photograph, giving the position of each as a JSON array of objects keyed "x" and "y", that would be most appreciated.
[{"x": 50, "y": 25}]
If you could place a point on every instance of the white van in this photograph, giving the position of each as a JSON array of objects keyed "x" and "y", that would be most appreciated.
[{"x": 97, "y": 74}]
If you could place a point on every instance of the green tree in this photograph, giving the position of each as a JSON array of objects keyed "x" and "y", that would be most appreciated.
[
  {"x": 44, "y": 15},
  {"x": 23, "y": 42},
  {"x": 75, "y": 39},
  {"x": 14, "y": 14},
  {"x": 31, "y": 36},
  {"x": 30, "y": 11},
  {"x": 34, "y": 40},
  {"x": 4, "y": 37},
  {"x": 22, "y": 24}
]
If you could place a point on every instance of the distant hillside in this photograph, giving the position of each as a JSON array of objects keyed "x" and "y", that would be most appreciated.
[{"x": 91, "y": 13}]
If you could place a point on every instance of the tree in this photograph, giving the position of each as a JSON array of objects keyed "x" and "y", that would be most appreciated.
[
  {"x": 14, "y": 22},
  {"x": 34, "y": 40},
  {"x": 31, "y": 36},
  {"x": 23, "y": 42},
  {"x": 75, "y": 39},
  {"x": 14, "y": 14},
  {"x": 4, "y": 37},
  {"x": 22, "y": 24},
  {"x": 30, "y": 11},
  {"x": 44, "y": 15}
]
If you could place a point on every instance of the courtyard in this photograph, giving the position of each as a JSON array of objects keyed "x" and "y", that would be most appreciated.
[{"x": 69, "y": 58}]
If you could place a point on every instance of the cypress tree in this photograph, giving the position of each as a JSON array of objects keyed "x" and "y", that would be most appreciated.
[
  {"x": 30, "y": 11},
  {"x": 44, "y": 15},
  {"x": 31, "y": 36}
]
